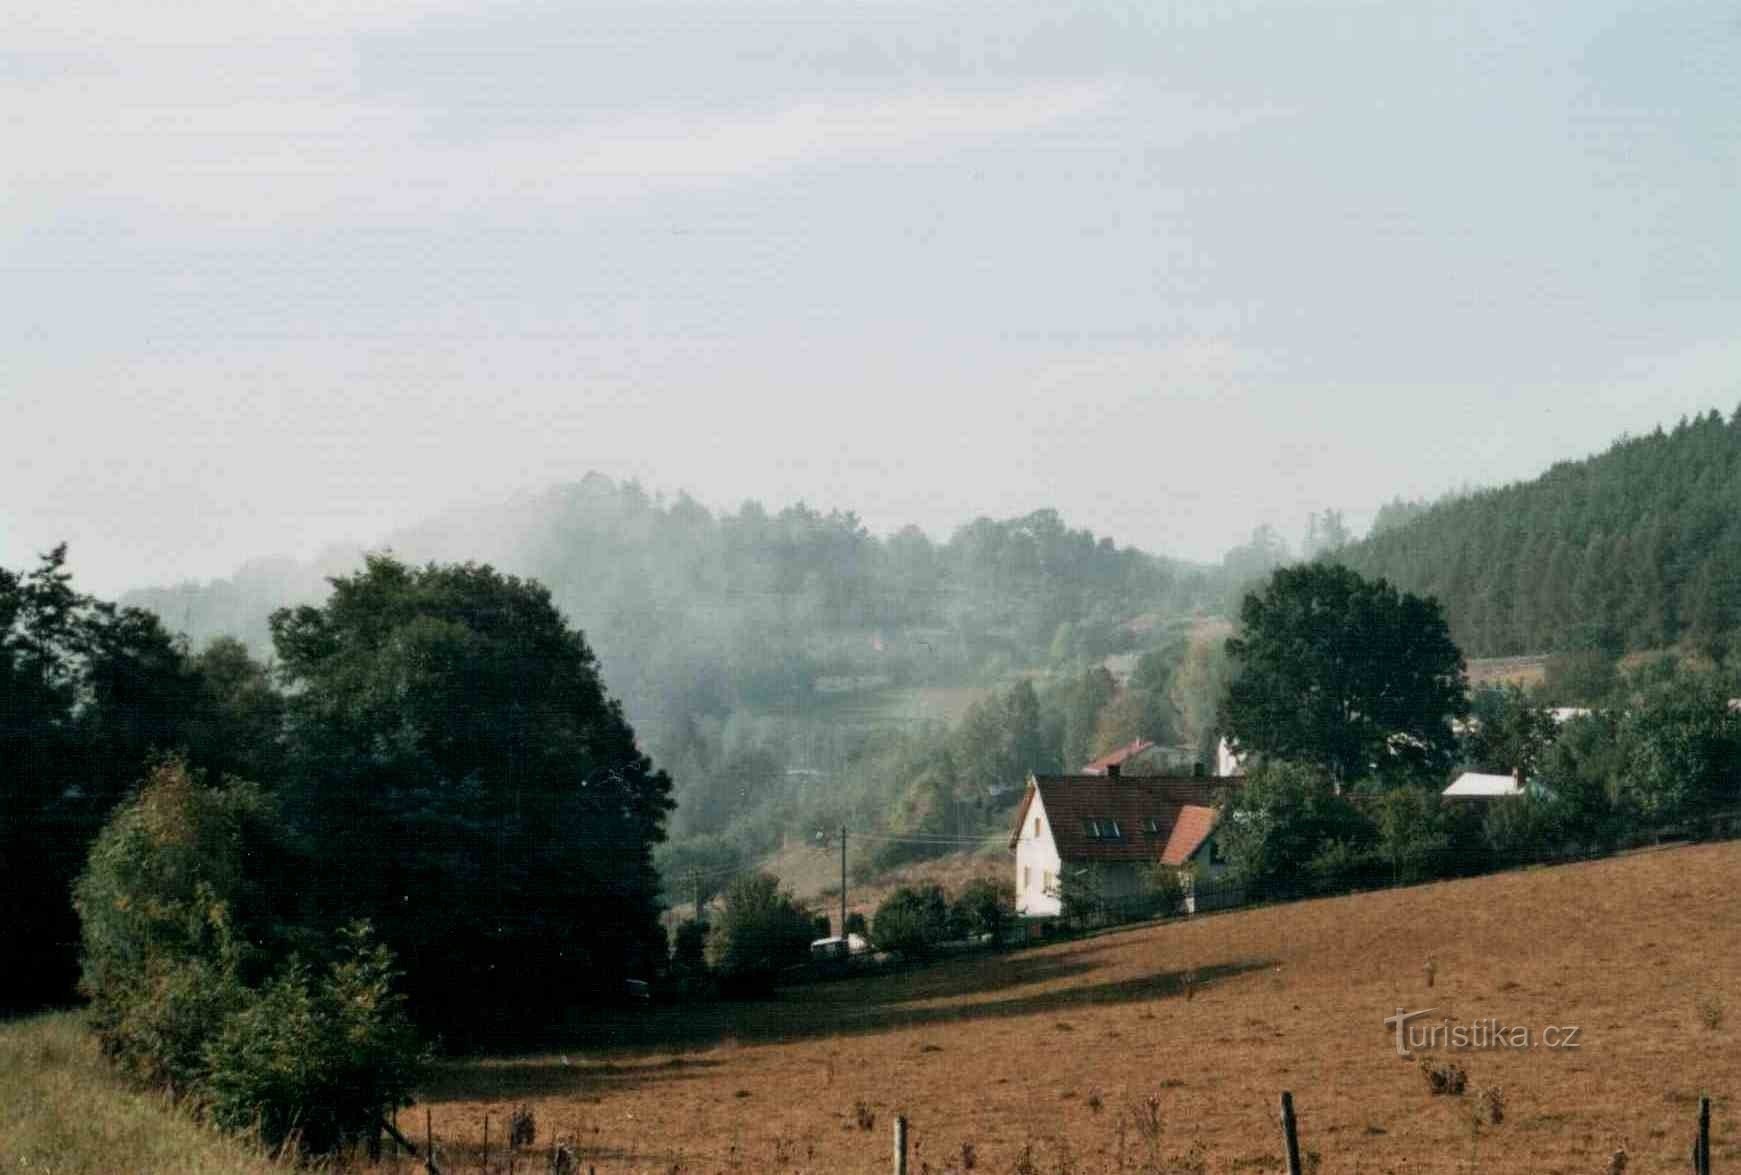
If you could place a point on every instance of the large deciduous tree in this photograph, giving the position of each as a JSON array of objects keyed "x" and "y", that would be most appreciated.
[
  {"x": 1344, "y": 673},
  {"x": 471, "y": 787}
]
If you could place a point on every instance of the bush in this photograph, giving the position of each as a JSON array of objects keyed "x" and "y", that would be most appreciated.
[
  {"x": 165, "y": 905},
  {"x": 760, "y": 931},
  {"x": 984, "y": 906},
  {"x": 1166, "y": 891},
  {"x": 689, "y": 949},
  {"x": 193, "y": 986},
  {"x": 1415, "y": 834},
  {"x": 1280, "y": 824},
  {"x": 912, "y": 920},
  {"x": 324, "y": 1057}
]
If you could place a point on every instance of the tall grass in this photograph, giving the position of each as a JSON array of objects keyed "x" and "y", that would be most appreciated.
[{"x": 64, "y": 1110}]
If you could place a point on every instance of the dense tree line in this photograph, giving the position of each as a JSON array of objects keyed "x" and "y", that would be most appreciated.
[
  {"x": 87, "y": 691},
  {"x": 436, "y": 745},
  {"x": 739, "y": 642},
  {"x": 1346, "y": 697},
  {"x": 1637, "y": 548}
]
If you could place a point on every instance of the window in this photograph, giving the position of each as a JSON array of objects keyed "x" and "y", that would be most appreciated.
[
  {"x": 1154, "y": 826},
  {"x": 1027, "y": 877},
  {"x": 1091, "y": 829},
  {"x": 1111, "y": 829},
  {"x": 1102, "y": 828},
  {"x": 1036, "y": 826},
  {"x": 1049, "y": 881}
]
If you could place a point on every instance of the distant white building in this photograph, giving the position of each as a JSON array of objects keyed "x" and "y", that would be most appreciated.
[
  {"x": 1476, "y": 785},
  {"x": 1228, "y": 762}
]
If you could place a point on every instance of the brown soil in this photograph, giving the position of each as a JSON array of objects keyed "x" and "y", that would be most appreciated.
[{"x": 1060, "y": 1049}]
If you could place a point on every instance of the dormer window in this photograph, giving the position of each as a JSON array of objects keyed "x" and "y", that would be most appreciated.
[
  {"x": 1103, "y": 828},
  {"x": 1153, "y": 826}
]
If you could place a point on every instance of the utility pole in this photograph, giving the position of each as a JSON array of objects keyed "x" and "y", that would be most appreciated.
[{"x": 843, "y": 883}]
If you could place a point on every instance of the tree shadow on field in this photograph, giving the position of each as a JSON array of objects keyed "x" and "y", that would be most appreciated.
[
  {"x": 516, "y": 1080},
  {"x": 859, "y": 1006}
]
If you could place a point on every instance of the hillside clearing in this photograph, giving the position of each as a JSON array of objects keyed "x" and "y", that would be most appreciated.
[{"x": 1054, "y": 1046}]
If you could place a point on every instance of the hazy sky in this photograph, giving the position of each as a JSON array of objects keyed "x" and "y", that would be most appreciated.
[{"x": 276, "y": 275}]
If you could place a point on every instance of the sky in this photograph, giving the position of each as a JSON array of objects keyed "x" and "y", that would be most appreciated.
[{"x": 278, "y": 276}]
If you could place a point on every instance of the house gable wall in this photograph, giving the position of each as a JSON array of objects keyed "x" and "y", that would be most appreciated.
[{"x": 1036, "y": 862}]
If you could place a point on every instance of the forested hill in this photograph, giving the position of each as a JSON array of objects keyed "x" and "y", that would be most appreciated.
[
  {"x": 1637, "y": 548},
  {"x": 699, "y": 614}
]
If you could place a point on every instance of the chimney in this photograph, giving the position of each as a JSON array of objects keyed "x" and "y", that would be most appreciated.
[{"x": 1112, "y": 770}]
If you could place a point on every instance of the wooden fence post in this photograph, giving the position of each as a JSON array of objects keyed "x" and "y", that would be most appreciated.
[
  {"x": 1702, "y": 1141},
  {"x": 1289, "y": 1133},
  {"x": 900, "y": 1145}
]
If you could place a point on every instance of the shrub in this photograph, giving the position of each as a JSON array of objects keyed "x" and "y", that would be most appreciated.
[
  {"x": 760, "y": 930},
  {"x": 165, "y": 906},
  {"x": 689, "y": 949},
  {"x": 324, "y": 1056},
  {"x": 1415, "y": 834},
  {"x": 193, "y": 987},
  {"x": 1444, "y": 1077},
  {"x": 984, "y": 906},
  {"x": 912, "y": 920},
  {"x": 1166, "y": 892}
]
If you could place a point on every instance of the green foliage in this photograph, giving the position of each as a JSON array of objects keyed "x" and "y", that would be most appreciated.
[
  {"x": 1683, "y": 752},
  {"x": 1511, "y": 732},
  {"x": 1280, "y": 821},
  {"x": 172, "y": 901},
  {"x": 912, "y": 920},
  {"x": 89, "y": 691},
  {"x": 1166, "y": 891},
  {"x": 1586, "y": 768},
  {"x": 192, "y": 986},
  {"x": 324, "y": 1056},
  {"x": 760, "y": 930},
  {"x": 1338, "y": 864},
  {"x": 1417, "y": 833},
  {"x": 984, "y": 906},
  {"x": 1081, "y": 894},
  {"x": 1082, "y": 700},
  {"x": 689, "y": 949},
  {"x": 1582, "y": 677},
  {"x": 1349, "y": 675},
  {"x": 475, "y": 791},
  {"x": 1642, "y": 542},
  {"x": 1525, "y": 828}
]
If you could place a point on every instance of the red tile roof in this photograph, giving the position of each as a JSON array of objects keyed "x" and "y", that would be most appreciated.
[
  {"x": 1190, "y": 830},
  {"x": 1085, "y": 810},
  {"x": 1117, "y": 758}
]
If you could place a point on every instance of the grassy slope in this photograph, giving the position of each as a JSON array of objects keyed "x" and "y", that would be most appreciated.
[
  {"x": 63, "y": 1110},
  {"x": 1005, "y": 1051}
]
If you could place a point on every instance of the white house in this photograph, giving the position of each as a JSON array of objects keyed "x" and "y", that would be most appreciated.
[{"x": 1123, "y": 825}]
